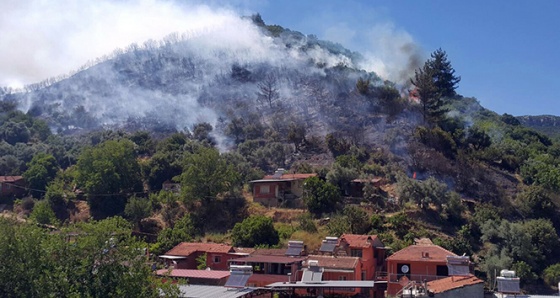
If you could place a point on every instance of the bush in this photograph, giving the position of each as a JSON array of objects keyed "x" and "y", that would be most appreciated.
[
  {"x": 253, "y": 231},
  {"x": 43, "y": 214}
]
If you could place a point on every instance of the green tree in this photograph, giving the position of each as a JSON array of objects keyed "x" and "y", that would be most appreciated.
[
  {"x": 534, "y": 202},
  {"x": 320, "y": 196},
  {"x": 357, "y": 219},
  {"x": 183, "y": 230},
  {"x": 253, "y": 231},
  {"x": 206, "y": 174},
  {"x": 444, "y": 75},
  {"x": 108, "y": 173},
  {"x": 41, "y": 170},
  {"x": 434, "y": 81},
  {"x": 137, "y": 209},
  {"x": 43, "y": 214},
  {"x": 430, "y": 100},
  {"x": 102, "y": 259},
  {"x": 551, "y": 275}
]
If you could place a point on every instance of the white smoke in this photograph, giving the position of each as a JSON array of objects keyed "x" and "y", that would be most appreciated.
[
  {"x": 393, "y": 54},
  {"x": 42, "y": 39}
]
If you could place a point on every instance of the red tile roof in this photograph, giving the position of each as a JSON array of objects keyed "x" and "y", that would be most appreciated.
[
  {"x": 332, "y": 262},
  {"x": 187, "y": 248},
  {"x": 358, "y": 241},
  {"x": 10, "y": 178},
  {"x": 425, "y": 253},
  {"x": 452, "y": 282},
  {"x": 268, "y": 259},
  {"x": 291, "y": 176},
  {"x": 188, "y": 273}
]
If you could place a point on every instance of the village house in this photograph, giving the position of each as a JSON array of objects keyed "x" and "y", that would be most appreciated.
[
  {"x": 12, "y": 186},
  {"x": 185, "y": 255},
  {"x": 280, "y": 189},
  {"x": 419, "y": 263}
]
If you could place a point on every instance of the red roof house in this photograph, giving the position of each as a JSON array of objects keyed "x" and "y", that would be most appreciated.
[
  {"x": 184, "y": 255},
  {"x": 280, "y": 189},
  {"x": 416, "y": 263}
]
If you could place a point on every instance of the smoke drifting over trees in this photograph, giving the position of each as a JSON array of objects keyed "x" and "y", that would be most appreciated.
[{"x": 214, "y": 72}]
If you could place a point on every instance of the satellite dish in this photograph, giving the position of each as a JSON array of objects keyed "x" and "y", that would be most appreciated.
[{"x": 404, "y": 269}]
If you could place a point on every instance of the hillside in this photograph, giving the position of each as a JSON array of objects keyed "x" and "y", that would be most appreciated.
[
  {"x": 211, "y": 113},
  {"x": 547, "y": 124}
]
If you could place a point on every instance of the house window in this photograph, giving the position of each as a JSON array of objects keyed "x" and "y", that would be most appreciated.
[
  {"x": 265, "y": 188},
  {"x": 356, "y": 253},
  {"x": 363, "y": 275},
  {"x": 217, "y": 259},
  {"x": 342, "y": 277}
]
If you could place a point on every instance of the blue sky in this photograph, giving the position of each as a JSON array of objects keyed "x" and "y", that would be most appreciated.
[{"x": 507, "y": 52}]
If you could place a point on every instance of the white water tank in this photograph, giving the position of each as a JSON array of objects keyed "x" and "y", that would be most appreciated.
[{"x": 507, "y": 273}]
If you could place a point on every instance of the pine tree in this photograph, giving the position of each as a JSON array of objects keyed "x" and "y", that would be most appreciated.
[
  {"x": 434, "y": 81},
  {"x": 444, "y": 75}
]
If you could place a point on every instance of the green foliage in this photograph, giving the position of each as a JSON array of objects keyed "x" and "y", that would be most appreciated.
[
  {"x": 320, "y": 196},
  {"x": 307, "y": 224},
  {"x": 444, "y": 77},
  {"x": 524, "y": 272},
  {"x": 399, "y": 223},
  {"x": 478, "y": 139},
  {"x": 137, "y": 209},
  {"x": 206, "y": 174},
  {"x": 438, "y": 139},
  {"x": 376, "y": 222},
  {"x": 358, "y": 220},
  {"x": 14, "y": 132},
  {"x": 201, "y": 261},
  {"x": 183, "y": 231},
  {"x": 43, "y": 213},
  {"x": 341, "y": 177},
  {"x": 59, "y": 191},
  {"x": 101, "y": 260},
  {"x": 434, "y": 81},
  {"x": 253, "y": 231},
  {"x": 551, "y": 275},
  {"x": 535, "y": 202},
  {"x": 285, "y": 231},
  {"x": 107, "y": 173},
  {"x": 338, "y": 225},
  {"x": 40, "y": 171},
  {"x": 422, "y": 193}
]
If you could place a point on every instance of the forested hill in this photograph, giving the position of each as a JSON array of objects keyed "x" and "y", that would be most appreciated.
[
  {"x": 172, "y": 84},
  {"x": 547, "y": 124},
  {"x": 211, "y": 111}
]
